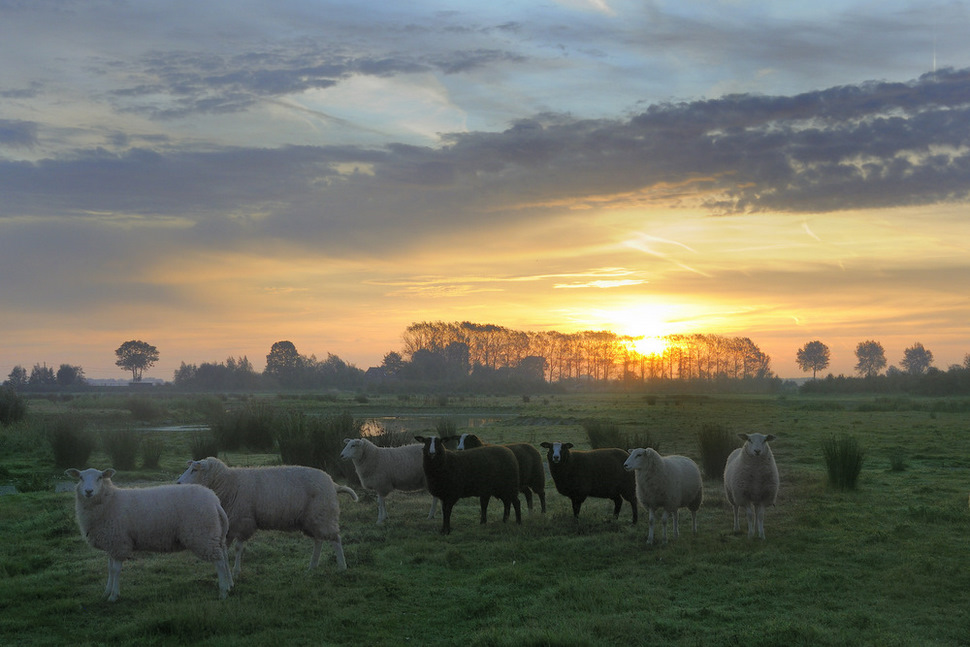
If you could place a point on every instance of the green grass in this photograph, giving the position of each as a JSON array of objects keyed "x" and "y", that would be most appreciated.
[{"x": 885, "y": 564}]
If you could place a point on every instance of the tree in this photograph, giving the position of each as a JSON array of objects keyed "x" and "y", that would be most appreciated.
[
  {"x": 41, "y": 376},
  {"x": 813, "y": 356},
  {"x": 68, "y": 375},
  {"x": 136, "y": 356},
  {"x": 284, "y": 362},
  {"x": 393, "y": 363},
  {"x": 18, "y": 377},
  {"x": 916, "y": 359},
  {"x": 871, "y": 356}
]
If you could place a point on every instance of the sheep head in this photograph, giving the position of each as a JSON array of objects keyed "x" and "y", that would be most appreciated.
[
  {"x": 90, "y": 481},
  {"x": 353, "y": 449},
  {"x": 558, "y": 452},
  {"x": 756, "y": 444}
]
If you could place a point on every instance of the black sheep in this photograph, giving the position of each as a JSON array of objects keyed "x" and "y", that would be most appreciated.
[
  {"x": 483, "y": 472},
  {"x": 596, "y": 472},
  {"x": 532, "y": 475}
]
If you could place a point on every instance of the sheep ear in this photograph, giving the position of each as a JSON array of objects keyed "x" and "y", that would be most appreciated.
[
  {"x": 189, "y": 463},
  {"x": 347, "y": 440},
  {"x": 567, "y": 445},
  {"x": 73, "y": 473},
  {"x": 108, "y": 473},
  {"x": 769, "y": 437},
  {"x": 743, "y": 437},
  {"x": 546, "y": 445},
  {"x": 420, "y": 439}
]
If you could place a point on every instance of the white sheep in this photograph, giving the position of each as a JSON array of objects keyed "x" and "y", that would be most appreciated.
[
  {"x": 666, "y": 483},
  {"x": 288, "y": 497},
  {"x": 385, "y": 469},
  {"x": 161, "y": 519},
  {"x": 751, "y": 481}
]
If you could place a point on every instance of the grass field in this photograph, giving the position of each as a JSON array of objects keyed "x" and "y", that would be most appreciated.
[{"x": 886, "y": 564}]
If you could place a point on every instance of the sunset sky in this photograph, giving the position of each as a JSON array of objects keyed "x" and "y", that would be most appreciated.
[{"x": 213, "y": 177}]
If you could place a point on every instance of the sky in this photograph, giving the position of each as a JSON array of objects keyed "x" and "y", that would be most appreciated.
[{"x": 213, "y": 177}]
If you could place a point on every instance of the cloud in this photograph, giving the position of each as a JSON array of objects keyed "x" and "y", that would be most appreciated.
[{"x": 17, "y": 134}]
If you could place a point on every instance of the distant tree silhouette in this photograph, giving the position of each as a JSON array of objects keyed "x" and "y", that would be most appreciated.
[
  {"x": 18, "y": 377},
  {"x": 813, "y": 356},
  {"x": 136, "y": 356},
  {"x": 41, "y": 375},
  {"x": 284, "y": 362},
  {"x": 871, "y": 356},
  {"x": 68, "y": 375},
  {"x": 916, "y": 359}
]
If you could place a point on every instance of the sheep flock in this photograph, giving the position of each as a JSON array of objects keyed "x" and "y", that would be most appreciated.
[{"x": 214, "y": 506}]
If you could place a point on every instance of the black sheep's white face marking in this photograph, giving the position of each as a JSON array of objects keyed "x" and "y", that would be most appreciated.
[
  {"x": 432, "y": 446},
  {"x": 461, "y": 441},
  {"x": 556, "y": 452}
]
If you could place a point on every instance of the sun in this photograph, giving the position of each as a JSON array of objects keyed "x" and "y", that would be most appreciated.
[{"x": 648, "y": 346}]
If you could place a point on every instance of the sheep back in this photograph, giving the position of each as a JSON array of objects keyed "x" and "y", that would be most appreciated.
[
  {"x": 591, "y": 473},
  {"x": 532, "y": 476}
]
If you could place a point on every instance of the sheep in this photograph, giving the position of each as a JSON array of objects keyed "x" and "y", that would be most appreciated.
[
  {"x": 532, "y": 475},
  {"x": 159, "y": 519},
  {"x": 288, "y": 497},
  {"x": 596, "y": 472},
  {"x": 666, "y": 483},
  {"x": 751, "y": 481},
  {"x": 385, "y": 469},
  {"x": 483, "y": 472}
]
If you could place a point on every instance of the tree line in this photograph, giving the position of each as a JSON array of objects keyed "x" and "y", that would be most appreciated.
[{"x": 472, "y": 356}]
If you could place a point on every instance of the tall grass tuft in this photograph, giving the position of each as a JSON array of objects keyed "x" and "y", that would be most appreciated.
[
  {"x": 443, "y": 427},
  {"x": 316, "y": 441},
  {"x": 716, "y": 444},
  {"x": 843, "y": 459},
  {"x": 250, "y": 427},
  {"x": 144, "y": 409},
  {"x": 202, "y": 445},
  {"x": 604, "y": 434},
  {"x": 13, "y": 408},
  {"x": 151, "y": 452},
  {"x": 121, "y": 446},
  {"x": 897, "y": 460},
  {"x": 71, "y": 443}
]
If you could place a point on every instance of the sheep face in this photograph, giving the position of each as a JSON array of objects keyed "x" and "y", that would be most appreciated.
[
  {"x": 468, "y": 441},
  {"x": 558, "y": 452},
  {"x": 194, "y": 473},
  {"x": 353, "y": 449},
  {"x": 434, "y": 448},
  {"x": 639, "y": 459},
  {"x": 756, "y": 444},
  {"x": 89, "y": 481}
]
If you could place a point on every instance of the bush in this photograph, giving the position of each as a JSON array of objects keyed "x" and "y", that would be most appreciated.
[
  {"x": 13, "y": 408},
  {"x": 121, "y": 446},
  {"x": 443, "y": 427},
  {"x": 843, "y": 460},
  {"x": 603, "y": 434},
  {"x": 71, "y": 443},
  {"x": 202, "y": 445},
  {"x": 251, "y": 427},
  {"x": 151, "y": 453},
  {"x": 144, "y": 409},
  {"x": 716, "y": 444},
  {"x": 316, "y": 441}
]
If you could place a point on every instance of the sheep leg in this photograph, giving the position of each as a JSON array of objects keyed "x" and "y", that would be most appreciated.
[
  {"x": 676, "y": 516},
  {"x": 518, "y": 510},
  {"x": 484, "y": 503},
  {"x": 542, "y": 500},
  {"x": 617, "y": 504},
  {"x": 663, "y": 520},
  {"x": 317, "y": 549},
  {"x": 113, "y": 589},
  {"x": 446, "y": 507},
  {"x": 749, "y": 509},
  {"x": 381, "y": 509},
  {"x": 761, "y": 520},
  {"x": 650, "y": 526},
  {"x": 225, "y": 576},
  {"x": 434, "y": 506},
  {"x": 693, "y": 520},
  {"x": 577, "y": 504},
  {"x": 737, "y": 519},
  {"x": 237, "y": 564},
  {"x": 528, "y": 497},
  {"x": 508, "y": 509}
]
